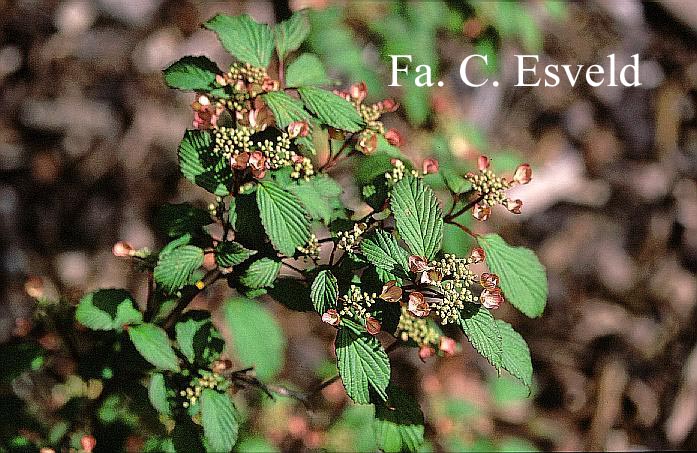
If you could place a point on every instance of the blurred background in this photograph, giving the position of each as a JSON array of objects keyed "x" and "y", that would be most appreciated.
[{"x": 88, "y": 138}]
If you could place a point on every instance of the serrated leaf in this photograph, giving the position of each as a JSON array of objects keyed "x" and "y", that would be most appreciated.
[
  {"x": 244, "y": 38},
  {"x": 515, "y": 357},
  {"x": 257, "y": 338},
  {"x": 152, "y": 343},
  {"x": 284, "y": 219},
  {"x": 383, "y": 251},
  {"x": 418, "y": 216},
  {"x": 306, "y": 70},
  {"x": 324, "y": 291},
  {"x": 331, "y": 109},
  {"x": 291, "y": 33},
  {"x": 230, "y": 253},
  {"x": 321, "y": 196},
  {"x": 219, "y": 420},
  {"x": 157, "y": 393},
  {"x": 261, "y": 273},
  {"x": 192, "y": 73},
  {"x": 177, "y": 219},
  {"x": 482, "y": 332},
  {"x": 523, "y": 277},
  {"x": 201, "y": 166},
  {"x": 285, "y": 108},
  {"x": 363, "y": 364},
  {"x": 399, "y": 426},
  {"x": 174, "y": 267},
  {"x": 107, "y": 309}
]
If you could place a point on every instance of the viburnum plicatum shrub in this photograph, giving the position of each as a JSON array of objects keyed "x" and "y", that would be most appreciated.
[{"x": 381, "y": 279}]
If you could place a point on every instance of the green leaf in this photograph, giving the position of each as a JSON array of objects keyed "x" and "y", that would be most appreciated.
[
  {"x": 174, "y": 267},
  {"x": 177, "y": 219},
  {"x": 157, "y": 393},
  {"x": 399, "y": 426},
  {"x": 108, "y": 309},
  {"x": 283, "y": 217},
  {"x": 383, "y": 251},
  {"x": 418, "y": 216},
  {"x": 306, "y": 70},
  {"x": 321, "y": 196},
  {"x": 230, "y": 253},
  {"x": 261, "y": 273},
  {"x": 363, "y": 364},
  {"x": 324, "y": 291},
  {"x": 257, "y": 338},
  {"x": 482, "y": 332},
  {"x": 285, "y": 108},
  {"x": 291, "y": 33},
  {"x": 244, "y": 38},
  {"x": 192, "y": 73},
  {"x": 152, "y": 343},
  {"x": 219, "y": 420},
  {"x": 331, "y": 109},
  {"x": 523, "y": 277},
  {"x": 201, "y": 166},
  {"x": 185, "y": 332},
  {"x": 516, "y": 355}
]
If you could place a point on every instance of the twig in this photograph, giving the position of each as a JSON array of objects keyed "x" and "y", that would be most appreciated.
[{"x": 466, "y": 208}]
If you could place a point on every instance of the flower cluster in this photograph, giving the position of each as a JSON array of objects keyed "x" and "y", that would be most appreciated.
[
  {"x": 312, "y": 248},
  {"x": 239, "y": 147},
  {"x": 355, "y": 304},
  {"x": 452, "y": 280},
  {"x": 247, "y": 82},
  {"x": 348, "y": 240},
  {"x": 398, "y": 171},
  {"x": 422, "y": 332},
  {"x": 492, "y": 189},
  {"x": 368, "y": 138},
  {"x": 209, "y": 380}
]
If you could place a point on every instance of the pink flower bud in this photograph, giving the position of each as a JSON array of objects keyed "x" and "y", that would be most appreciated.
[
  {"x": 523, "y": 174},
  {"x": 417, "y": 264},
  {"x": 34, "y": 287},
  {"x": 477, "y": 255},
  {"x": 88, "y": 443},
  {"x": 480, "y": 212},
  {"x": 447, "y": 345},
  {"x": 220, "y": 366},
  {"x": 388, "y": 105},
  {"x": 298, "y": 129},
  {"x": 368, "y": 142},
  {"x": 426, "y": 352},
  {"x": 358, "y": 91},
  {"x": 393, "y": 137},
  {"x": 513, "y": 206},
  {"x": 430, "y": 166},
  {"x": 122, "y": 249},
  {"x": 331, "y": 317},
  {"x": 417, "y": 305},
  {"x": 430, "y": 277},
  {"x": 240, "y": 161},
  {"x": 483, "y": 163},
  {"x": 489, "y": 281},
  {"x": 256, "y": 160},
  {"x": 372, "y": 325},
  {"x": 491, "y": 299},
  {"x": 270, "y": 84},
  {"x": 391, "y": 292},
  {"x": 220, "y": 80}
]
